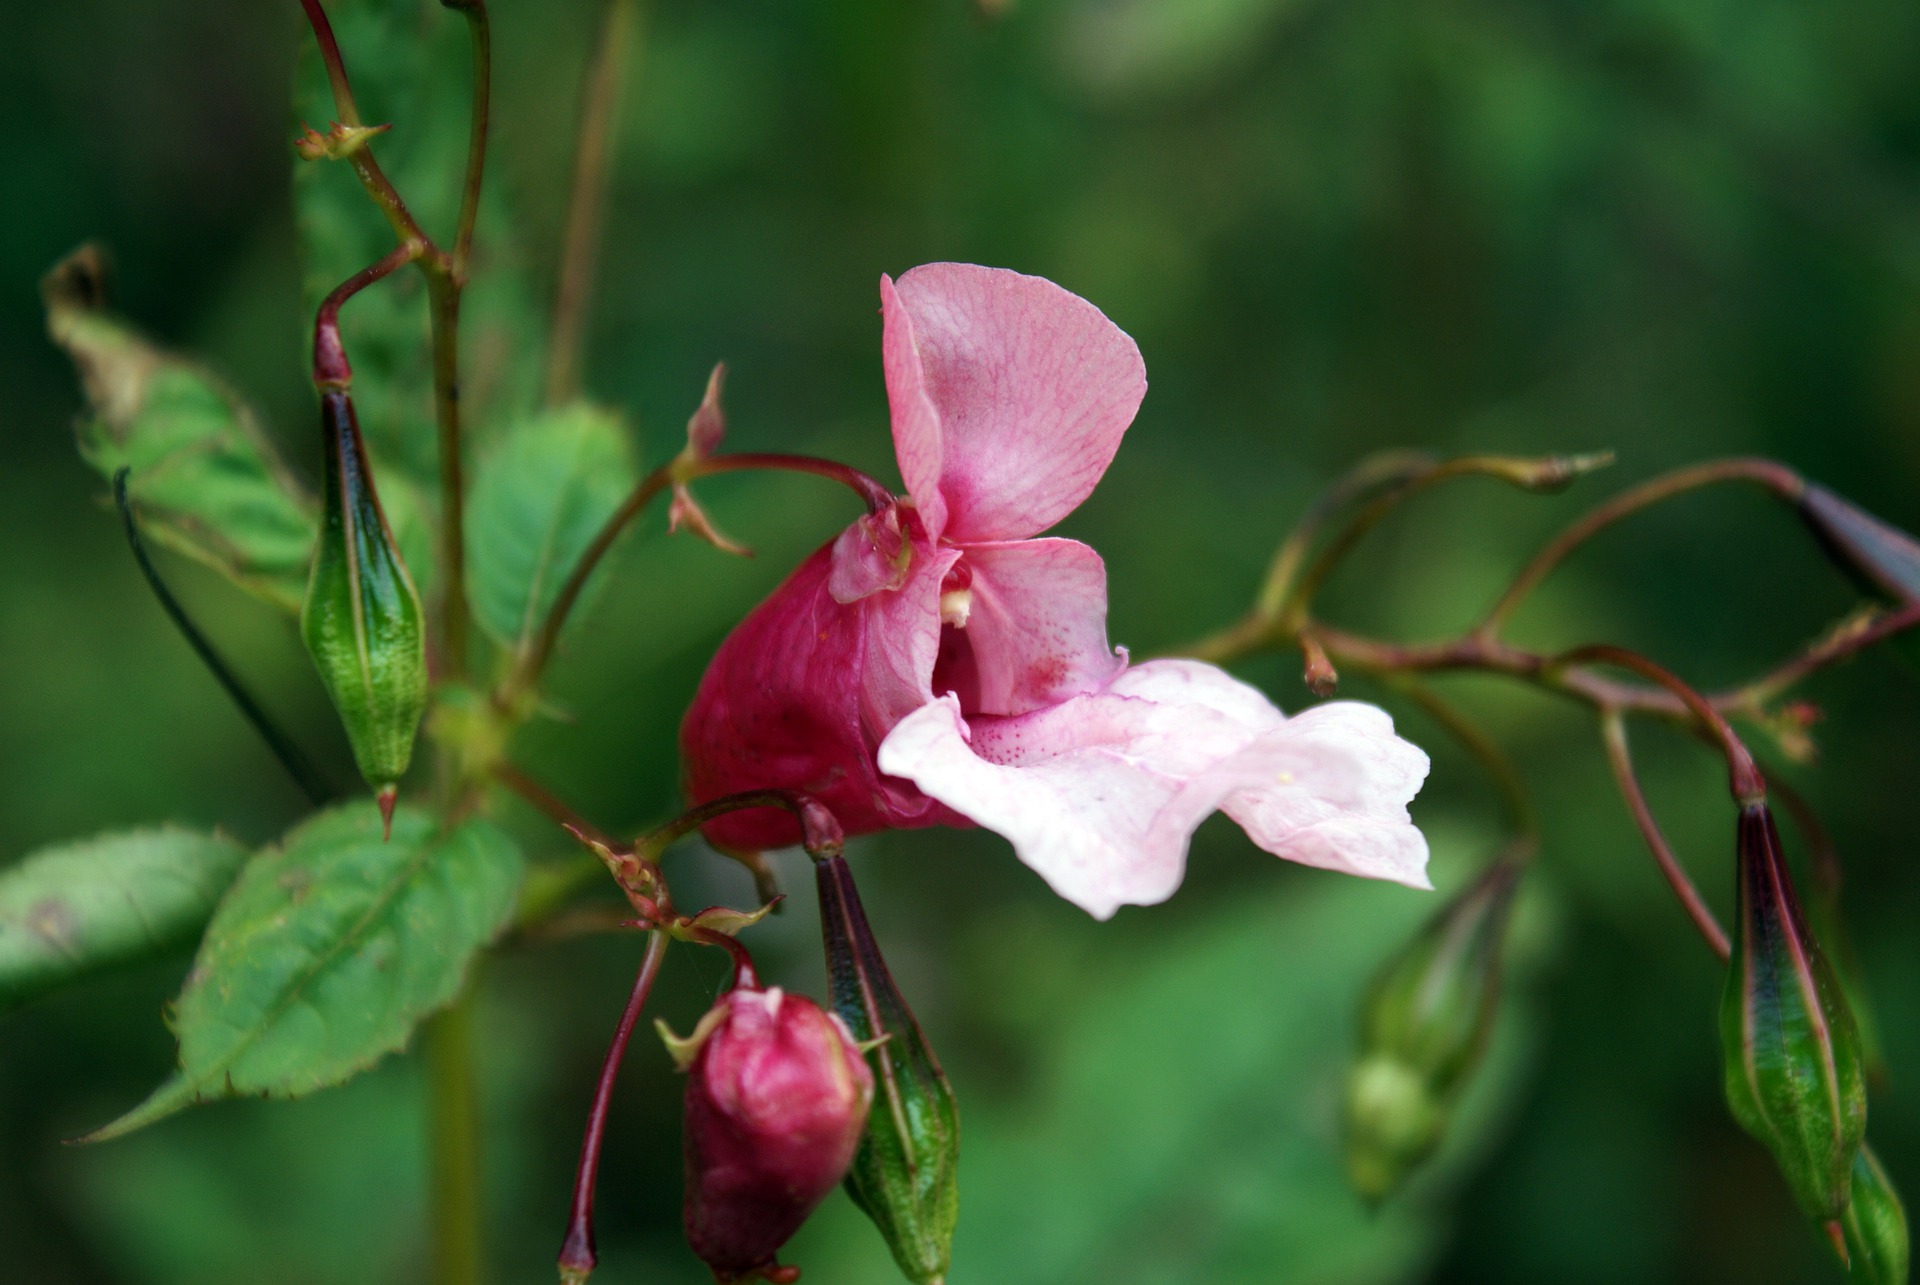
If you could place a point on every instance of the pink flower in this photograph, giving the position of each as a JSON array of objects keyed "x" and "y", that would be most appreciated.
[
  {"x": 939, "y": 664},
  {"x": 777, "y": 1097}
]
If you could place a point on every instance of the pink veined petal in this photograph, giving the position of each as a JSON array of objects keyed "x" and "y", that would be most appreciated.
[
  {"x": 1009, "y": 397},
  {"x": 1346, "y": 810},
  {"x": 1086, "y": 820},
  {"x": 1036, "y": 620},
  {"x": 916, "y": 423}
]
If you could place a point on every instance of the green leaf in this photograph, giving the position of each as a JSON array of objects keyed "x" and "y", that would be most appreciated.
[
  {"x": 537, "y": 501},
  {"x": 327, "y": 953},
  {"x": 412, "y": 67},
  {"x": 204, "y": 478},
  {"x": 87, "y": 906}
]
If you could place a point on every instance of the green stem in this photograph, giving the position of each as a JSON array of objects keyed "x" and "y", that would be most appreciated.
[
  {"x": 455, "y": 1141},
  {"x": 599, "y": 117},
  {"x": 481, "y": 29},
  {"x": 443, "y": 292}
]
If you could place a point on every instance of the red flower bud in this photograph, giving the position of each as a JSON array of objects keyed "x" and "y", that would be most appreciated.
[{"x": 777, "y": 1097}]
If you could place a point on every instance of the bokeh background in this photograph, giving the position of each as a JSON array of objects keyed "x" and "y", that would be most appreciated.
[{"x": 1673, "y": 228}]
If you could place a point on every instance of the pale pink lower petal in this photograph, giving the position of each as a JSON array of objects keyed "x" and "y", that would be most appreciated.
[
  {"x": 1084, "y": 820},
  {"x": 1347, "y": 810},
  {"x": 1036, "y": 619},
  {"x": 1010, "y": 391},
  {"x": 1194, "y": 682},
  {"x": 1101, "y": 793}
]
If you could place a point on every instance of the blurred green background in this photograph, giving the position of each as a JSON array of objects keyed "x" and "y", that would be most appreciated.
[{"x": 1674, "y": 228}]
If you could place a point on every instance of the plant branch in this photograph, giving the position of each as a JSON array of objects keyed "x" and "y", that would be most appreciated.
[
  {"x": 481, "y": 30},
  {"x": 676, "y": 472},
  {"x": 332, "y": 372},
  {"x": 457, "y": 1200},
  {"x": 1775, "y": 477},
  {"x": 1550, "y": 474},
  {"x": 1743, "y": 774},
  {"x": 378, "y": 186},
  {"x": 599, "y": 121},
  {"x": 546, "y": 802},
  {"x": 820, "y": 830},
  {"x": 1370, "y": 473},
  {"x": 298, "y": 765},
  {"x": 443, "y": 293},
  {"x": 577, "y": 1252},
  {"x": 1613, "y": 734}
]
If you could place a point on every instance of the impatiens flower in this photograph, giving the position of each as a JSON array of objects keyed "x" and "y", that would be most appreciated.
[{"x": 941, "y": 662}]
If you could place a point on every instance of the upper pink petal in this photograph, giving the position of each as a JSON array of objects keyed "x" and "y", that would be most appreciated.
[
  {"x": 1009, "y": 397},
  {"x": 800, "y": 694},
  {"x": 1036, "y": 622}
]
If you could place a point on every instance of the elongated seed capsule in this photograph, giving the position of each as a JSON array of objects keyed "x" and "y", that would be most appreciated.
[
  {"x": 905, "y": 1174},
  {"x": 1875, "y": 1225},
  {"x": 361, "y": 620},
  {"x": 1793, "y": 1068}
]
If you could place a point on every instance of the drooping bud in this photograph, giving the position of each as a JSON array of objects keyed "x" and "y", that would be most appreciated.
[
  {"x": 1423, "y": 1027},
  {"x": 777, "y": 1095},
  {"x": 1875, "y": 1224},
  {"x": 361, "y": 620},
  {"x": 1885, "y": 559},
  {"x": 1793, "y": 1064},
  {"x": 905, "y": 1174}
]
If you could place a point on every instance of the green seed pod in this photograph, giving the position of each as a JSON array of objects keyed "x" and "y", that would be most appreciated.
[
  {"x": 1423, "y": 1028},
  {"x": 905, "y": 1173},
  {"x": 1794, "y": 1075},
  {"x": 1875, "y": 1224},
  {"x": 361, "y": 620}
]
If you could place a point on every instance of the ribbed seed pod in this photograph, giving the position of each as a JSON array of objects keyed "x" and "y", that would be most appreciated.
[
  {"x": 1794, "y": 1075},
  {"x": 905, "y": 1173},
  {"x": 1875, "y": 1224},
  {"x": 361, "y": 620},
  {"x": 1423, "y": 1027}
]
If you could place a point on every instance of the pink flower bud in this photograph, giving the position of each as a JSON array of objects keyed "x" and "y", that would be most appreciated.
[{"x": 777, "y": 1097}]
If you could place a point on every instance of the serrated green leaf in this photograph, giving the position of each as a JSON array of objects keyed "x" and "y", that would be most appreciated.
[
  {"x": 328, "y": 951},
  {"x": 205, "y": 479},
  {"x": 537, "y": 501},
  {"x": 87, "y": 906},
  {"x": 411, "y": 67}
]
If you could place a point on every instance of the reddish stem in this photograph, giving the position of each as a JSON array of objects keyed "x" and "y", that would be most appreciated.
[
  {"x": 1613, "y": 732},
  {"x": 577, "y": 1254},
  {"x": 1743, "y": 776},
  {"x": 331, "y": 370},
  {"x": 876, "y": 497}
]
